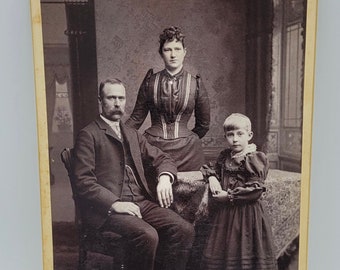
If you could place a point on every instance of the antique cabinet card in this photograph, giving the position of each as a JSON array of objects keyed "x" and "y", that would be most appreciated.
[{"x": 254, "y": 57}]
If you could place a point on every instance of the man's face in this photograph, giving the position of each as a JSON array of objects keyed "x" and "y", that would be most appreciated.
[
  {"x": 173, "y": 55},
  {"x": 113, "y": 101}
]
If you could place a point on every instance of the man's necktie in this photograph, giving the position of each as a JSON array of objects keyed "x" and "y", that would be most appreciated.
[{"x": 116, "y": 128}]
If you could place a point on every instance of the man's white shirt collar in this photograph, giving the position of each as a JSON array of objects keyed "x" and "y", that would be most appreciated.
[{"x": 109, "y": 122}]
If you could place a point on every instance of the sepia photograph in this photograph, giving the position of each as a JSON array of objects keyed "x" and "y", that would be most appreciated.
[{"x": 174, "y": 134}]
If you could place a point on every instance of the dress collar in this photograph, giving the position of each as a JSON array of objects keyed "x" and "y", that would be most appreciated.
[
  {"x": 249, "y": 149},
  {"x": 173, "y": 76}
]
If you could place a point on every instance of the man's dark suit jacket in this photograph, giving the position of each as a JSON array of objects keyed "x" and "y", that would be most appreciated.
[{"x": 99, "y": 167}]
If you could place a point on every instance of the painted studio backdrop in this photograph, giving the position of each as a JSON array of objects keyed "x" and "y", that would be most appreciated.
[{"x": 249, "y": 54}]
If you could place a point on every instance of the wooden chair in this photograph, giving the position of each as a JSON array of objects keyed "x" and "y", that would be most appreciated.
[{"x": 107, "y": 243}]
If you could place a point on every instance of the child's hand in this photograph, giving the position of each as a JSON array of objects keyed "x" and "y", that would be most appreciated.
[
  {"x": 214, "y": 185},
  {"x": 221, "y": 196}
]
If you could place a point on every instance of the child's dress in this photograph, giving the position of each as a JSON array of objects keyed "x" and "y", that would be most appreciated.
[{"x": 240, "y": 236}]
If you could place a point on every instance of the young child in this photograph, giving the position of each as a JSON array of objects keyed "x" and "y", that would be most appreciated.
[{"x": 240, "y": 236}]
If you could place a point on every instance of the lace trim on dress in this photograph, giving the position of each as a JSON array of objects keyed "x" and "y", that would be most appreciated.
[{"x": 249, "y": 149}]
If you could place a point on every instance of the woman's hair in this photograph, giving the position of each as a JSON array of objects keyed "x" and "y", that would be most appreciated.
[
  {"x": 236, "y": 121},
  {"x": 170, "y": 34},
  {"x": 108, "y": 81}
]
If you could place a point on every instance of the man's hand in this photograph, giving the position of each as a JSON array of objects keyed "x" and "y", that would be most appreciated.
[
  {"x": 126, "y": 208},
  {"x": 214, "y": 185},
  {"x": 164, "y": 191}
]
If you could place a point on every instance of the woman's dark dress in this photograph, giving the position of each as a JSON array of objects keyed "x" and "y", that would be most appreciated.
[
  {"x": 241, "y": 236},
  {"x": 171, "y": 100}
]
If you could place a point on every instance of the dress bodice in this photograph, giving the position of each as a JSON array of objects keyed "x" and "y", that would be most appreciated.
[
  {"x": 244, "y": 176},
  {"x": 171, "y": 101},
  {"x": 172, "y": 104},
  {"x": 243, "y": 171}
]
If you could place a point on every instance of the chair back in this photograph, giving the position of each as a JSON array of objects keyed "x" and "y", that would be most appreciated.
[
  {"x": 107, "y": 243},
  {"x": 68, "y": 159}
]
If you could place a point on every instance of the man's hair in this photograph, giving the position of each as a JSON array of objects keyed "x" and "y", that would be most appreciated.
[
  {"x": 236, "y": 121},
  {"x": 108, "y": 81},
  {"x": 170, "y": 34}
]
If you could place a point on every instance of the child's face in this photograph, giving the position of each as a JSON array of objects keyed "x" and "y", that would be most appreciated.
[{"x": 238, "y": 139}]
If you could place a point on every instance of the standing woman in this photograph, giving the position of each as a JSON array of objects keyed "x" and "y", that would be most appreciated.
[{"x": 171, "y": 96}]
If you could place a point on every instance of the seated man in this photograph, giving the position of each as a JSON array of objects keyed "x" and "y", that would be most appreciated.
[{"x": 114, "y": 193}]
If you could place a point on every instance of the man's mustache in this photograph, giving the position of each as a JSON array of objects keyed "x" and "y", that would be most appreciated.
[{"x": 117, "y": 112}]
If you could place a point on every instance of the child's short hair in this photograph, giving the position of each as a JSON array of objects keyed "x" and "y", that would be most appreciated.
[{"x": 236, "y": 121}]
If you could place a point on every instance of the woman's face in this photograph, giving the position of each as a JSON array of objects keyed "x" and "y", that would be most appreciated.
[{"x": 173, "y": 54}]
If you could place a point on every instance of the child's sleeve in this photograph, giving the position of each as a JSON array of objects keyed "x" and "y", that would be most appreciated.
[
  {"x": 213, "y": 169},
  {"x": 256, "y": 165}
]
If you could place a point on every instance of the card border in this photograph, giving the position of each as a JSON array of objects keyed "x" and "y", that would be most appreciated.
[
  {"x": 44, "y": 173},
  {"x": 308, "y": 105},
  {"x": 41, "y": 113}
]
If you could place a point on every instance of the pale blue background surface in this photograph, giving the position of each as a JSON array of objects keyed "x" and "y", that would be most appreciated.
[
  {"x": 20, "y": 228},
  {"x": 324, "y": 240}
]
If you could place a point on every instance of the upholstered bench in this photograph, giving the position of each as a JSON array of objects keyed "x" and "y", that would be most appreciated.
[{"x": 282, "y": 201}]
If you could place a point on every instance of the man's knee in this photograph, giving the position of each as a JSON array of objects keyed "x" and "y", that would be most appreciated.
[
  {"x": 148, "y": 237},
  {"x": 188, "y": 231},
  {"x": 185, "y": 233}
]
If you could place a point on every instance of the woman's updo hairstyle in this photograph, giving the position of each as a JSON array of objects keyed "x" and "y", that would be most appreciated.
[{"x": 170, "y": 34}]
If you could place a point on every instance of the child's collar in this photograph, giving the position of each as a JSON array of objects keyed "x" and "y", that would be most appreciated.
[{"x": 249, "y": 149}]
